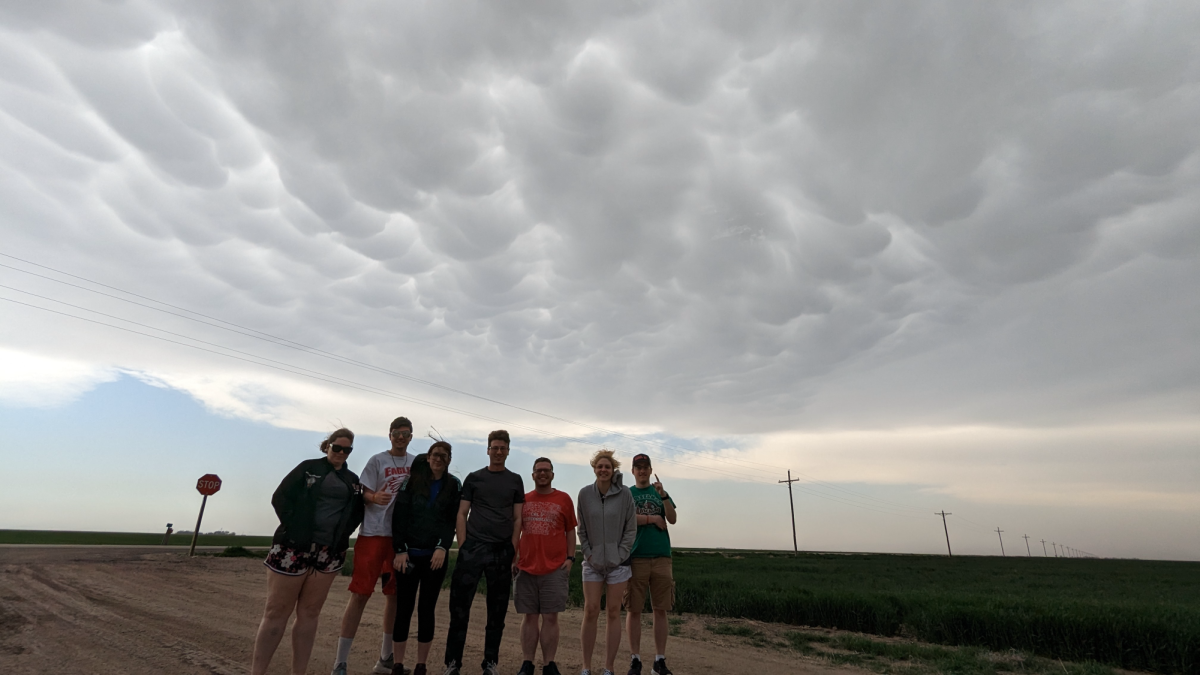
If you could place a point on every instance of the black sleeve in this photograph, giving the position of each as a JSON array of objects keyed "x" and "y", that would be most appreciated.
[
  {"x": 284, "y": 498},
  {"x": 401, "y": 517},
  {"x": 468, "y": 489},
  {"x": 520, "y": 497},
  {"x": 450, "y": 515}
]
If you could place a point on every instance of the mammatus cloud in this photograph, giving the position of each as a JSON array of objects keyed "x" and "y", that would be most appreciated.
[{"x": 702, "y": 219}]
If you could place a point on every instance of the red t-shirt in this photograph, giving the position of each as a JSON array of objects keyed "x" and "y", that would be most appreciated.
[{"x": 545, "y": 520}]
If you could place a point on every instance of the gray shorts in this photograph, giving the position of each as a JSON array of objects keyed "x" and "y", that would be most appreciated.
[{"x": 541, "y": 593}]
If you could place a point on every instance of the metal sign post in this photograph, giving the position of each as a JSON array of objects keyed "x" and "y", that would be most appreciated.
[{"x": 208, "y": 484}]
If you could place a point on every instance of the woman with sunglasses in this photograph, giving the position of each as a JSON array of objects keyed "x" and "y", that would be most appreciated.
[
  {"x": 422, "y": 528},
  {"x": 319, "y": 504}
]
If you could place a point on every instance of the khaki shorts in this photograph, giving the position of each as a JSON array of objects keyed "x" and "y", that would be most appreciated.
[
  {"x": 653, "y": 574},
  {"x": 541, "y": 593}
]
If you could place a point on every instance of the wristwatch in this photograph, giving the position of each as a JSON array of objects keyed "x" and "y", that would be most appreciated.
[{"x": 571, "y": 558}]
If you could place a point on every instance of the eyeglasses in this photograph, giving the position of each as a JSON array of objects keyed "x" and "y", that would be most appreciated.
[
  {"x": 345, "y": 449},
  {"x": 543, "y": 470},
  {"x": 396, "y": 433}
]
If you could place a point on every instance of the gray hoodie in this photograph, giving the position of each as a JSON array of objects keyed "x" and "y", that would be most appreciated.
[{"x": 607, "y": 526}]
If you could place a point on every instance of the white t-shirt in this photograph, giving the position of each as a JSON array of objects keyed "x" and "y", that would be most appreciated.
[{"x": 383, "y": 473}]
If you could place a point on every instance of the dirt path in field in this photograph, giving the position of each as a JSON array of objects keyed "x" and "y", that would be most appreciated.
[{"x": 132, "y": 611}]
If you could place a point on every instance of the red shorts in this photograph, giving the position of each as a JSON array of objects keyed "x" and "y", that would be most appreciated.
[{"x": 372, "y": 559}]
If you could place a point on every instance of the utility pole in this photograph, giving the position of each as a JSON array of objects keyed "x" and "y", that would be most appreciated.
[
  {"x": 943, "y": 514},
  {"x": 998, "y": 531},
  {"x": 1027, "y": 544},
  {"x": 1044, "y": 551},
  {"x": 792, "y": 503},
  {"x": 1055, "y": 545}
]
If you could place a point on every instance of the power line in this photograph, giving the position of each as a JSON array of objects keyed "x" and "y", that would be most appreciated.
[
  {"x": 333, "y": 379},
  {"x": 879, "y": 504}
]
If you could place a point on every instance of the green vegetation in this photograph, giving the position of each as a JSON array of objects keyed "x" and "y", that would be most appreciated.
[
  {"x": 125, "y": 538},
  {"x": 907, "y": 658},
  {"x": 238, "y": 552},
  {"x": 1133, "y": 614},
  {"x": 1140, "y": 615}
]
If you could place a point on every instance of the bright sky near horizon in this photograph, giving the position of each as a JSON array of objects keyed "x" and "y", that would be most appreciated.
[{"x": 924, "y": 255}]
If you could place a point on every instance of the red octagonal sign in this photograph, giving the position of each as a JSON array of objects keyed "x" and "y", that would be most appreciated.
[{"x": 208, "y": 484}]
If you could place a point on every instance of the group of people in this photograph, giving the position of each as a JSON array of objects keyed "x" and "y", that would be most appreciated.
[{"x": 409, "y": 509}]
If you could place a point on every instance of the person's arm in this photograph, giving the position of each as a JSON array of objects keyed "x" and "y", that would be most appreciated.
[
  {"x": 670, "y": 508},
  {"x": 570, "y": 548},
  {"x": 283, "y": 500},
  {"x": 460, "y": 525},
  {"x": 518, "y": 520},
  {"x": 373, "y": 484},
  {"x": 584, "y": 544},
  {"x": 448, "y": 521},
  {"x": 401, "y": 517},
  {"x": 629, "y": 535}
]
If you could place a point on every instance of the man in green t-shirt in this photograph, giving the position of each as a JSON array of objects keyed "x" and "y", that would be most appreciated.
[{"x": 651, "y": 566}]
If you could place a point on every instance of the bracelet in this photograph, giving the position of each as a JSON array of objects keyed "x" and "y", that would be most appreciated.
[{"x": 571, "y": 558}]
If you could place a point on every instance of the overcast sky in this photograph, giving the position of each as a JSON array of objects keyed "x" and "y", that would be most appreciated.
[{"x": 932, "y": 254}]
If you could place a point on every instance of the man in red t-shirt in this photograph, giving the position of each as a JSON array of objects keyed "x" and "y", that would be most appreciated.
[{"x": 544, "y": 565}]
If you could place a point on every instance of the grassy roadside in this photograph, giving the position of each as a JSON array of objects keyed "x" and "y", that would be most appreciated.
[
  {"x": 65, "y": 537},
  {"x": 896, "y": 656}
]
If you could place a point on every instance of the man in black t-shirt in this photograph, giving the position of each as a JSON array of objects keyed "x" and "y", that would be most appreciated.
[{"x": 489, "y": 526}]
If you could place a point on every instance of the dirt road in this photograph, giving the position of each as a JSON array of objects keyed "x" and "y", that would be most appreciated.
[{"x": 133, "y": 611}]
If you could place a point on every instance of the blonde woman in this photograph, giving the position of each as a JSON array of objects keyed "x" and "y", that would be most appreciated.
[{"x": 607, "y": 530}]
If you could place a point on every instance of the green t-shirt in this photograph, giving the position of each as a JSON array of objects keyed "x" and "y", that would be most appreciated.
[{"x": 651, "y": 542}]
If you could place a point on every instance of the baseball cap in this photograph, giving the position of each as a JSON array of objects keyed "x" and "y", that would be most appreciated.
[{"x": 638, "y": 459}]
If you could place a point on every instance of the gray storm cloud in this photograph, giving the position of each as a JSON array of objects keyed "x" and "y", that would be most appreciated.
[{"x": 736, "y": 218}]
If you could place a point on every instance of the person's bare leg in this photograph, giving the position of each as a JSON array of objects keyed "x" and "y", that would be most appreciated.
[
  {"x": 308, "y": 612},
  {"x": 282, "y": 592},
  {"x": 591, "y": 619},
  {"x": 549, "y": 637},
  {"x": 389, "y": 621},
  {"x": 529, "y": 636},
  {"x": 660, "y": 631},
  {"x": 398, "y": 649},
  {"x": 612, "y": 627},
  {"x": 423, "y": 651},
  {"x": 633, "y": 626},
  {"x": 353, "y": 614}
]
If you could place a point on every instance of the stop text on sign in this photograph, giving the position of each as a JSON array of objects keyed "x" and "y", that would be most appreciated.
[{"x": 208, "y": 484}]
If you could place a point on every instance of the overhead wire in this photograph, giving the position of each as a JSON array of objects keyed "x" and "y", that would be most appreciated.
[{"x": 813, "y": 486}]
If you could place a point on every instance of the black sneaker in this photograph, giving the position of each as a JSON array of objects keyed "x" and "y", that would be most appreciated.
[
  {"x": 550, "y": 669},
  {"x": 452, "y": 668},
  {"x": 635, "y": 667},
  {"x": 660, "y": 667},
  {"x": 526, "y": 668}
]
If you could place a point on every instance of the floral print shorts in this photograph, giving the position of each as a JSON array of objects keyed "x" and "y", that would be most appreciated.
[{"x": 294, "y": 563}]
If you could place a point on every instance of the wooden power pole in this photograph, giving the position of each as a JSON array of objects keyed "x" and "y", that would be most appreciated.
[
  {"x": 792, "y": 503},
  {"x": 943, "y": 514}
]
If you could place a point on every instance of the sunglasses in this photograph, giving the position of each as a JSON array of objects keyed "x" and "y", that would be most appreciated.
[
  {"x": 346, "y": 449},
  {"x": 440, "y": 455},
  {"x": 401, "y": 434}
]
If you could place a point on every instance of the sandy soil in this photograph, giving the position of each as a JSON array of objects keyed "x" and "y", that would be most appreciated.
[{"x": 133, "y": 610}]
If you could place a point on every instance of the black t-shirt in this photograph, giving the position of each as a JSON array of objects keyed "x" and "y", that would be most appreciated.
[{"x": 492, "y": 496}]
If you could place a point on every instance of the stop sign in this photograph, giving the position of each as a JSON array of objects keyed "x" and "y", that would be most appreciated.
[{"x": 208, "y": 484}]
